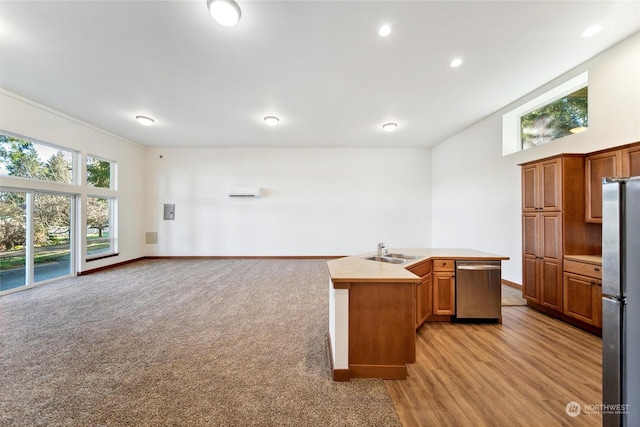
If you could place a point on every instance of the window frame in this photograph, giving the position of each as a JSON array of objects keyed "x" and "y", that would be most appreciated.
[
  {"x": 112, "y": 172},
  {"x": 113, "y": 228},
  {"x": 511, "y": 121},
  {"x": 75, "y": 155}
]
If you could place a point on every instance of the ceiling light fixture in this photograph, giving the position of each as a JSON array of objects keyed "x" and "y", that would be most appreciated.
[
  {"x": 144, "y": 120},
  {"x": 225, "y": 12},
  {"x": 384, "y": 31},
  {"x": 456, "y": 63},
  {"x": 389, "y": 127},
  {"x": 271, "y": 120},
  {"x": 592, "y": 31}
]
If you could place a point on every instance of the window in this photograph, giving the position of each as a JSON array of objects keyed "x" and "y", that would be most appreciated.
[
  {"x": 35, "y": 237},
  {"x": 558, "y": 113},
  {"x": 560, "y": 118},
  {"x": 100, "y": 227},
  {"x": 51, "y": 235},
  {"x": 13, "y": 239},
  {"x": 99, "y": 172},
  {"x": 28, "y": 159}
]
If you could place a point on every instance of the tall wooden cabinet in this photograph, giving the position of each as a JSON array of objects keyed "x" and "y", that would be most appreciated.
[
  {"x": 562, "y": 231},
  {"x": 552, "y": 218}
]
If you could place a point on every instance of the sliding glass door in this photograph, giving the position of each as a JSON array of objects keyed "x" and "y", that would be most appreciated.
[
  {"x": 13, "y": 235},
  {"x": 36, "y": 233},
  {"x": 52, "y": 236}
]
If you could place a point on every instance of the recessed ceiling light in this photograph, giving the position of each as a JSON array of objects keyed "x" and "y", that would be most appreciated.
[
  {"x": 456, "y": 63},
  {"x": 225, "y": 12},
  {"x": 144, "y": 120},
  {"x": 384, "y": 31},
  {"x": 271, "y": 120},
  {"x": 390, "y": 127},
  {"x": 592, "y": 31}
]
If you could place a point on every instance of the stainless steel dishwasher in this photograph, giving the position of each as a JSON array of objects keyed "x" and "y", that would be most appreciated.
[{"x": 478, "y": 290}]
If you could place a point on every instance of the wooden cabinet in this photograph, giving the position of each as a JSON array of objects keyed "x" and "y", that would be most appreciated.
[
  {"x": 424, "y": 300},
  {"x": 583, "y": 291},
  {"x": 552, "y": 225},
  {"x": 598, "y": 166},
  {"x": 617, "y": 162},
  {"x": 424, "y": 292},
  {"x": 562, "y": 214},
  {"x": 381, "y": 329},
  {"x": 631, "y": 161},
  {"x": 444, "y": 287},
  {"x": 542, "y": 258},
  {"x": 541, "y": 186}
]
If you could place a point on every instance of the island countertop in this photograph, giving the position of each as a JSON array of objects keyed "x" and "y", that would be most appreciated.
[{"x": 356, "y": 268}]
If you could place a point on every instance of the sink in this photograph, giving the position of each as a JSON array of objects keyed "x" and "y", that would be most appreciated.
[
  {"x": 387, "y": 259},
  {"x": 400, "y": 256}
]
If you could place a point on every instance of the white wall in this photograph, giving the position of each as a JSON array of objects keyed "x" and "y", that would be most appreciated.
[
  {"x": 35, "y": 122},
  {"x": 336, "y": 201},
  {"x": 316, "y": 201},
  {"x": 476, "y": 191}
]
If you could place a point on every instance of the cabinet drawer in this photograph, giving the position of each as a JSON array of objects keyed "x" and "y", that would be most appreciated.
[
  {"x": 583, "y": 268},
  {"x": 421, "y": 269},
  {"x": 444, "y": 265}
]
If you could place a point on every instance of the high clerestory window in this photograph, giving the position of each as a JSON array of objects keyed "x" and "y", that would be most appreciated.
[
  {"x": 34, "y": 160},
  {"x": 559, "y": 118},
  {"x": 99, "y": 172},
  {"x": 560, "y": 112}
]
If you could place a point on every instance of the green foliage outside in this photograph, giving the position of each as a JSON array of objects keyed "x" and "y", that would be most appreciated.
[
  {"x": 98, "y": 173},
  {"x": 21, "y": 158},
  {"x": 555, "y": 120}
]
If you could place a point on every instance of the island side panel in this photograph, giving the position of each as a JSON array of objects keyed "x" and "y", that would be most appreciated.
[
  {"x": 381, "y": 329},
  {"x": 339, "y": 331}
]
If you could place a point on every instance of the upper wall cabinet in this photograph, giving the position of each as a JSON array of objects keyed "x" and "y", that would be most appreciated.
[
  {"x": 631, "y": 161},
  {"x": 542, "y": 186},
  {"x": 598, "y": 166},
  {"x": 612, "y": 163}
]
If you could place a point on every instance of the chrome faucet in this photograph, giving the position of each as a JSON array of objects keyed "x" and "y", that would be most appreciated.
[{"x": 382, "y": 249}]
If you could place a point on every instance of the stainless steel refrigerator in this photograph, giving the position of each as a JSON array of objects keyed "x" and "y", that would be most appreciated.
[{"x": 621, "y": 302}]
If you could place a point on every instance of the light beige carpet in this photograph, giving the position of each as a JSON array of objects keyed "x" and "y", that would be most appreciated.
[
  {"x": 512, "y": 296},
  {"x": 180, "y": 343}
]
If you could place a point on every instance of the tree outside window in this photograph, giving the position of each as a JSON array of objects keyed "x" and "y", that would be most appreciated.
[
  {"x": 26, "y": 159},
  {"x": 98, "y": 172},
  {"x": 560, "y": 118},
  {"x": 99, "y": 236}
]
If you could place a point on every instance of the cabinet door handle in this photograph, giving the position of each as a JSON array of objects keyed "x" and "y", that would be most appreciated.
[{"x": 596, "y": 269}]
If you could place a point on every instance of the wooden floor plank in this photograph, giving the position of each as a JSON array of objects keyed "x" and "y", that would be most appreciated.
[{"x": 522, "y": 372}]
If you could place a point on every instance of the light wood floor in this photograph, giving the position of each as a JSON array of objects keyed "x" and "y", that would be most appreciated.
[{"x": 521, "y": 373}]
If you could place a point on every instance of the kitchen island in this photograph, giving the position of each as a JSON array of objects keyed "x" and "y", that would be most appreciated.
[{"x": 374, "y": 312}]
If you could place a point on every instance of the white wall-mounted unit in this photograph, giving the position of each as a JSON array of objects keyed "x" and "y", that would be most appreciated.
[{"x": 244, "y": 192}]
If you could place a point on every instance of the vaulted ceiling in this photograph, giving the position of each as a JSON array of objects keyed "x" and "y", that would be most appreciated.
[{"x": 320, "y": 66}]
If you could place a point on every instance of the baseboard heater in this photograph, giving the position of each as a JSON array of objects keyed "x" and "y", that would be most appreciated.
[{"x": 246, "y": 192}]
